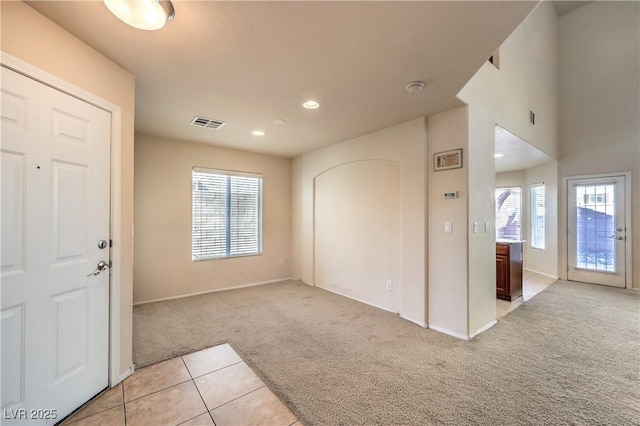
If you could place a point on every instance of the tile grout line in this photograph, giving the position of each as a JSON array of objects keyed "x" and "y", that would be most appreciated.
[
  {"x": 73, "y": 414},
  {"x": 241, "y": 396},
  {"x": 160, "y": 390},
  {"x": 219, "y": 369},
  {"x": 124, "y": 405},
  {"x": 198, "y": 390}
]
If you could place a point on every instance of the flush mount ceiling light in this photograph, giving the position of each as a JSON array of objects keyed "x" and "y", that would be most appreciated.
[
  {"x": 142, "y": 14},
  {"x": 498, "y": 155},
  {"x": 258, "y": 133},
  {"x": 415, "y": 86},
  {"x": 311, "y": 104}
]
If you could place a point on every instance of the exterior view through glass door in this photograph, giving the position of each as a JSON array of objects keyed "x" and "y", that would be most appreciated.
[{"x": 597, "y": 230}]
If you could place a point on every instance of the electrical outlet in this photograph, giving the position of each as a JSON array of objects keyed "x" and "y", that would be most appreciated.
[{"x": 389, "y": 285}]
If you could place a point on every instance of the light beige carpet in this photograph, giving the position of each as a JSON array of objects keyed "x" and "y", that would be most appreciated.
[{"x": 570, "y": 355}]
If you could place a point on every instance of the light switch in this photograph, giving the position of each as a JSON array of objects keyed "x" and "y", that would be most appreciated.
[
  {"x": 447, "y": 227},
  {"x": 487, "y": 227},
  {"x": 475, "y": 227}
]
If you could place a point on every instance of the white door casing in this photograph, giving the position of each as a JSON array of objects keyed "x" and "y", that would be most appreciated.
[
  {"x": 598, "y": 234},
  {"x": 55, "y": 209}
]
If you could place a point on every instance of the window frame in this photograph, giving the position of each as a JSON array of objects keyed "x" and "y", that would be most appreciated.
[
  {"x": 229, "y": 214},
  {"x": 533, "y": 213},
  {"x": 519, "y": 216}
]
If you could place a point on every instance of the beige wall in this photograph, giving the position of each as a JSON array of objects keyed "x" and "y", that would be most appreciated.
[
  {"x": 461, "y": 265},
  {"x": 163, "y": 267},
  {"x": 447, "y": 260},
  {"x": 537, "y": 260},
  {"x": 404, "y": 143},
  {"x": 599, "y": 99},
  {"x": 526, "y": 79},
  {"x": 357, "y": 212},
  {"x": 34, "y": 39}
]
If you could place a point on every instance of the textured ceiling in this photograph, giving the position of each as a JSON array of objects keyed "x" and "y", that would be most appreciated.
[
  {"x": 517, "y": 154},
  {"x": 250, "y": 63},
  {"x": 564, "y": 7}
]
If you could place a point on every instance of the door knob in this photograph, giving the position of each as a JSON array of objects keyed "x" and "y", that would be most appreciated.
[{"x": 102, "y": 265}]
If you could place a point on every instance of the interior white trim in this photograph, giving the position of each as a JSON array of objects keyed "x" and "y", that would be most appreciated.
[
  {"x": 483, "y": 329},
  {"x": 51, "y": 80},
  {"x": 358, "y": 300},
  {"x": 124, "y": 375},
  {"x": 544, "y": 274},
  {"x": 182, "y": 296},
  {"x": 449, "y": 332},
  {"x": 422, "y": 324}
]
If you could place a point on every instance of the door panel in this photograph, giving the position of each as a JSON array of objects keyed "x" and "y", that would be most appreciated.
[
  {"x": 597, "y": 230},
  {"x": 55, "y": 209},
  {"x": 69, "y": 212},
  {"x": 71, "y": 347},
  {"x": 12, "y": 355},
  {"x": 13, "y": 200}
]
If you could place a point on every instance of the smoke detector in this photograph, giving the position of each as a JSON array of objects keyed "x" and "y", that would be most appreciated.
[{"x": 415, "y": 86}]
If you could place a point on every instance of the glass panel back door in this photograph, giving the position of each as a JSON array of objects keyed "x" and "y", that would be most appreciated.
[{"x": 597, "y": 230}]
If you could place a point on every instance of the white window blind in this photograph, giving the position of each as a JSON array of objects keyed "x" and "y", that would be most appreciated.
[
  {"x": 226, "y": 214},
  {"x": 537, "y": 216},
  {"x": 508, "y": 219}
]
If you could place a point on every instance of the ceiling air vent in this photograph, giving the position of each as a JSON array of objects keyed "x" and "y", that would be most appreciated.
[{"x": 207, "y": 122}]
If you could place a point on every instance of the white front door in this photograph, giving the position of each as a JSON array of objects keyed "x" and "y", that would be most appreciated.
[
  {"x": 597, "y": 234},
  {"x": 55, "y": 210}
]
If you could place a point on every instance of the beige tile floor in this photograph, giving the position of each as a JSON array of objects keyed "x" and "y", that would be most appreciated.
[
  {"x": 213, "y": 386},
  {"x": 532, "y": 284}
]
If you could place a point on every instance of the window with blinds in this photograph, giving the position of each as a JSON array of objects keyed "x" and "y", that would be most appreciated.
[
  {"x": 508, "y": 218},
  {"x": 226, "y": 210},
  {"x": 537, "y": 215}
]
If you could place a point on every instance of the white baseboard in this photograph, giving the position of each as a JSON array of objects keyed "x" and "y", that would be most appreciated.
[
  {"x": 541, "y": 273},
  {"x": 485, "y": 328},
  {"x": 449, "y": 332},
  {"x": 212, "y": 291},
  {"x": 422, "y": 324},
  {"x": 124, "y": 375},
  {"x": 357, "y": 300}
]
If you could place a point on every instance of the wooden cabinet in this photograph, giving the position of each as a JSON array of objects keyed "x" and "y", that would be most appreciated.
[{"x": 508, "y": 270}]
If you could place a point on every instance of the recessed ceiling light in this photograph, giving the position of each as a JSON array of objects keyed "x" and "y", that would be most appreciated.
[
  {"x": 258, "y": 133},
  {"x": 142, "y": 14},
  {"x": 311, "y": 104},
  {"x": 415, "y": 86},
  {"x": 498, "y": 155}
]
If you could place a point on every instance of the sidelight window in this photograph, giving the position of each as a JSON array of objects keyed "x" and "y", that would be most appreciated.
[{"x": 537, "y": 216}]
